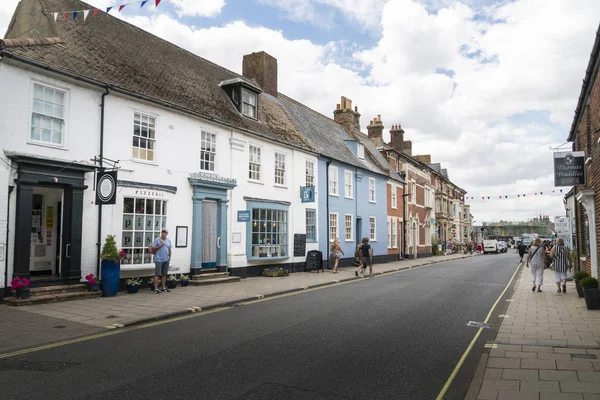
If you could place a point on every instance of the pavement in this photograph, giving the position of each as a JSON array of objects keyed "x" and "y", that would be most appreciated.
[
  {"x": 553, "y": 349},
  {"x": 48, "y": 323}
]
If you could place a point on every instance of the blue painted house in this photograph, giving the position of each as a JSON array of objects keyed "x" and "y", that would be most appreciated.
[{"x": 352, "y": 176}]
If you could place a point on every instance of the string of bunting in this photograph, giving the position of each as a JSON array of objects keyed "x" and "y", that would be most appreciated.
[
  {"x": 68, "y": 15},
  {"x": 515, "y": 196}
]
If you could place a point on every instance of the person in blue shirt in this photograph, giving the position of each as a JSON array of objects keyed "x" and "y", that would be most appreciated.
[{"x": 162, "y": 246}]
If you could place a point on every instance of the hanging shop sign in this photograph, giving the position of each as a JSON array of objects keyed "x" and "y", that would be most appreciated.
[
  {"x": 569, "y": 168},
  {"x": 106, "y": 188}
]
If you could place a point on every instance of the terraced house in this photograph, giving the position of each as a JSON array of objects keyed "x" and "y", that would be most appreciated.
[{"x": 198, "y": 149}]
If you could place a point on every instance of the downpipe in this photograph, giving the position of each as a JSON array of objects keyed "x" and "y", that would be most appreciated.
[{"x": 99, "y": 239}]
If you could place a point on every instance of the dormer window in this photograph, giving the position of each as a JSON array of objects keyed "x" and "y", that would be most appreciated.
[
  {"x": 361, "y": 151},
  {"x": 244, "y": 95},
  {"x": 249, "y": 104}
]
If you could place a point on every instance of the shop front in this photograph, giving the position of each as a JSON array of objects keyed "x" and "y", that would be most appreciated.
[{"x": 49, "y": 214}]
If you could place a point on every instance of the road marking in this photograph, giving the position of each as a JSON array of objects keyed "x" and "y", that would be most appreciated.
[
  {"x": 113, "y": 331},
  {"x": 466, "y": 353},
  {"x": 509, "y": 300},
  {"x": 491, "y": 346},
  {"x": 503, "y": 316}
]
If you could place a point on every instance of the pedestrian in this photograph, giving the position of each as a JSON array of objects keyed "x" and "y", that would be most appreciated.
[
  {"x": 521, "y": 249},
  {"x": 336, "y": 249},
  {"x": 366, "y": 257},
  {"x": 162, "y": 246},
  {"x": 536, "y": 256},
  {"x": 560, "y": 255},
  {"x": 479, "y": 248}
]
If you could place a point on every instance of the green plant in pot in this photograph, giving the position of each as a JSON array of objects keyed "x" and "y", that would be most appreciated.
[
  {"x": 591, "y": 293},
  {"x": 184, "y": 280},
  {"x": 110, "y": 267},
  {"x": 172, "y": 281},
  {"x": 577, "y": 277},
  {"x": 133, "y": 285}
]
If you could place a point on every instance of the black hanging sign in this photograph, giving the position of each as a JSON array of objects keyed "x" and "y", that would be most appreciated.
[
  {"x": 106, "y": 187},
  {"x": 569, "y": 168}
]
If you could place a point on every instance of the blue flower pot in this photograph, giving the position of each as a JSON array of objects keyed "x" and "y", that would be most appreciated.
[
  {"x": 185, "y": 283},
  {"x": 152, "y": 286},
  {"x": 22, "y": 293},
  {"x": 171, "y": 284},
  {"x": 110, "y": 274},
  {"x": 95, "y": 287},
  {"x": 132, "y": 288}
]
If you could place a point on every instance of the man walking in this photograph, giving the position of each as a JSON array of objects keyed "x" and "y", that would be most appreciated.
[
  {"x": 162, "y": 246},
  {"x": 366, "y": 253}
]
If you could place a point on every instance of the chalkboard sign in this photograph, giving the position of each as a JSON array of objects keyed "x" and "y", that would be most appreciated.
[
  {"x": 299, "y": 245},
  {"x": 314, "y": 260}
]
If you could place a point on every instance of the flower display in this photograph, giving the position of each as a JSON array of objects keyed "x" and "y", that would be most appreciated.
[
  {"x": 92, "y": 279},
  {"x": 19, "y": 283}
]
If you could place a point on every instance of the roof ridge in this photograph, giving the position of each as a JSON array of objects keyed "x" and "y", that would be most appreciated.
[
  {"x": 4, "y": 43},
  {"x": 308, "y": 108}
]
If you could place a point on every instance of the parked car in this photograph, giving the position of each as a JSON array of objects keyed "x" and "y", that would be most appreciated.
[
  {"x": 502, "y": 247},
  {"x": 490, "y": 246}
]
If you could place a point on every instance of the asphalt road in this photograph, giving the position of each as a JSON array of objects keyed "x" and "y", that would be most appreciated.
[{"x": 397, "y": 336}]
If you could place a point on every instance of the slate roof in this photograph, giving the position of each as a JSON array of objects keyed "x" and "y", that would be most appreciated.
[
  {"x": 327, "y": 136},
  {"x": 111, "y": 51}
]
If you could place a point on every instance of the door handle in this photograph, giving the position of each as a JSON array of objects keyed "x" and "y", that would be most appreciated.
[
  {"x": 67, "y": 251},
  {"x": 219, "y": 242}
]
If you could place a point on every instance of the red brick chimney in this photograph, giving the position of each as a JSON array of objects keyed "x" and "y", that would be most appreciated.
[
  {"x": 397, "y": 138},
  {"x": 345, "y": 116},
  {"x": 263, "y": 68},
  {"x": 375, "y": 129},
  {"x": 407, "y": 147}
]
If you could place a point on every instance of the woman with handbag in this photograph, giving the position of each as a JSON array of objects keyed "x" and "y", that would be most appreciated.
[
  {"x": 336, "y": 249},
  {"x": 537, "y": 257},
  {"x": 560, "y": 255}
]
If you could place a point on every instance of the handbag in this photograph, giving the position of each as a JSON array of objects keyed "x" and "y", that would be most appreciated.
[
  {"x": 552, "y": 266},
  {"x": 150, "y": 249}
]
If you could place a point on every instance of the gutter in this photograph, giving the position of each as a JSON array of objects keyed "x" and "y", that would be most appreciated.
[
  {"x": 327, "y": 209},
  {"x": 148, "y": 99},
  {"x": 585, "y": 87},
  {"x": 102, "y": 109}
]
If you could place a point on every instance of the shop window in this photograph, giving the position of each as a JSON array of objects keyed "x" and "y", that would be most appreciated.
[
  {"x": 143, "y": 219},
  {"x": 269, "y": 233}
]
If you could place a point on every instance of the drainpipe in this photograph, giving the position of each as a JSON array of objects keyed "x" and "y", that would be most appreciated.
[
  {"x": 405, "y": 255},
  {"x": 577, "y": 234},
  {"x": 5, "y": 291},
  {"x": 102, "y": 104},
  {"x": 327, "y": 208}
]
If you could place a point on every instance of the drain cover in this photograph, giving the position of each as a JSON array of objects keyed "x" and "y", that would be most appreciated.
[
  {"x": 475, "y": 324},
  {"x": 588, "y": 356}
]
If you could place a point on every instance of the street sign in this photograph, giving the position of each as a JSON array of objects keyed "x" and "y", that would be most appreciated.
[
  {"x": 569, "y": 168},
  {"x": 243, "y": 215},
  {"x": 307, "y": 194}
]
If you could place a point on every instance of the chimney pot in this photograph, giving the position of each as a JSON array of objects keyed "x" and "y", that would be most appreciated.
[
  {"x": 338, "y": 107},
  {"x": 355, "y": 108},
  {"x": 379, "y": 117}
]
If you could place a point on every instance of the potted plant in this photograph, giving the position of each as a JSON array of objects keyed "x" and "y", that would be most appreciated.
[
  {"x": 151, "y": 283},
  {"x": 275, "y": 272},
  {"x": 591, "y": 293},
  {"x": 93, "y": 282},
  {"x": 577, "y": 277},
  {"x": 185, "y": 280},
  {"x": 110, "y": 266},
  {"x": 172, "y": 281},
  {"x": 21, "y": 287},
  {"x": 133, "y": 285}
]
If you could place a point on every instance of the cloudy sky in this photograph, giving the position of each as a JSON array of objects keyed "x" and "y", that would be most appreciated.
[{"x": 487, "y": 87}]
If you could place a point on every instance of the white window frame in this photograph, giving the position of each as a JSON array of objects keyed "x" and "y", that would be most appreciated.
[
  {"x": 43, "y": 115},
  {"x": 413, "y": 193},
  {"x": 348, "y": 184},
  {"x": 312, "y": 210},
  {"x": 333, "y": 178},
  {"x": 372, "y": 189},
  {"x": 389, "y": 233},
  {"x": 337, "y": 226},
  {"x": 280, "y": 171},
  {"x": 349, "y": 230},
  {"x": 394, "y": 197},
  {"x": 394, "y": 233},
  {"x": 257, "y": 154},
  {"x": 372, "y": 229},
  {"x": 140, "y": 137},
  {"x": 148, "y": 225},
  {"x": 310, "y": 173},
  {"x": 361, "y": 151},
  {"x": 208, "y": 138},
  {"x": 247, "y": 107}
]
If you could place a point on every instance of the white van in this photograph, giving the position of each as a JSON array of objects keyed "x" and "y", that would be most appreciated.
[{"x": 490, "y": 246}]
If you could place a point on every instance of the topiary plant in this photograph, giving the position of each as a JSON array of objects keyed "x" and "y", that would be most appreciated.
[
  {"x": 580, "y": 275},
  {"x": 589, "y": 283},
  {"x": 109, "y": 250}
]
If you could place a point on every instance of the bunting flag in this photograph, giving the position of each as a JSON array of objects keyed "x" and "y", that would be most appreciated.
[
  {"x": 95, "y": 11},
  {"x": 516, "y": 196}
]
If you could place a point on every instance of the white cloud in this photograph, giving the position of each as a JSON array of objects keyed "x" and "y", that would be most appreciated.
[
  {"x": 201, "y": 8},
  {"x": 536, "y": 60}
]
